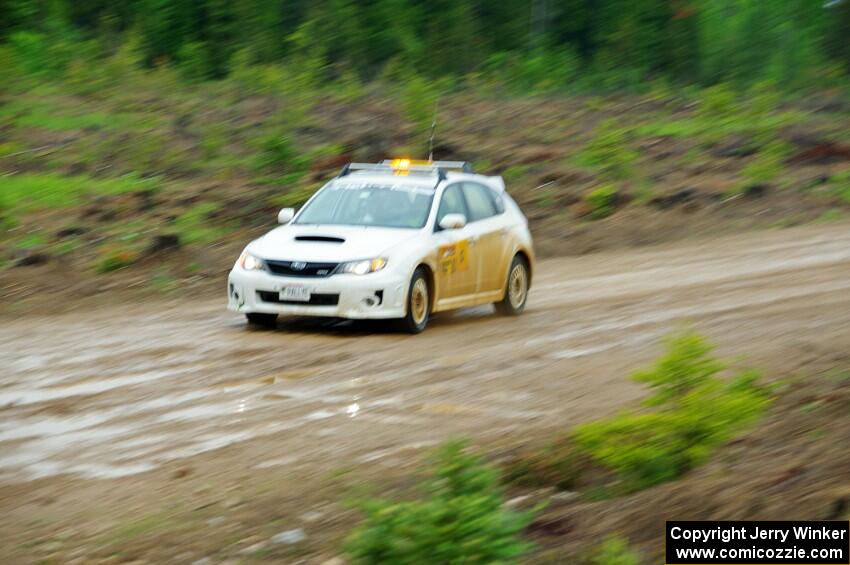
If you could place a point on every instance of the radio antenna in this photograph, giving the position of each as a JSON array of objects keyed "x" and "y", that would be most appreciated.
[{"x": 433, "y": 133}]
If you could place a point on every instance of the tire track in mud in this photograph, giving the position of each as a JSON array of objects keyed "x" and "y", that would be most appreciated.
[{"x": 111, "y": 393}]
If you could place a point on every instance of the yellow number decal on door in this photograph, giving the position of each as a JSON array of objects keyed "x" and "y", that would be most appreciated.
[
  {"x": 454, "y": 257},
  {"x": 462, "y": 255}
]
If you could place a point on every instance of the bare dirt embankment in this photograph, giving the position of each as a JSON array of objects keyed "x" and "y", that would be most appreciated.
[{"x": 167, "y": 430}]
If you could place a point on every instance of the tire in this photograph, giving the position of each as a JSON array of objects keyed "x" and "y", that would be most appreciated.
[
  {"x": 261, "y": 320},
  {"x": 418, "y": 303},
  {"x": 516, "y": 289}
]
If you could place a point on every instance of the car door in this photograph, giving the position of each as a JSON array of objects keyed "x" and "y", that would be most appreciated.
[
  {"x": 456, "y": 269},
  {"x": 487, "y": 232}
]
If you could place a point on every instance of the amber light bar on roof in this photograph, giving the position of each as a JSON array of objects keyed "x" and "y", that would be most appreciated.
[{"x": 405, "y": 166}]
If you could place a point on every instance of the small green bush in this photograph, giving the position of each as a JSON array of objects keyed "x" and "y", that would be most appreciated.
[
  {"x": 686, "y": 365},
  {"x": 196, "y": 224},
  {"x": 767, "y": 165},
  {"x": 32, "y": 191},
  {"x": 609, "y": 151},
  {"x": 840, "y": 186},
  {"x": 278, "y": 154},
  {"x": 718, "y": 103},
  {"x": 614, "y": 551},
  {"x": 461, "y": 520},
  {"x": 602, "y": 201},
  {"x": 115, "y": 259},
  {"x": 697, "y": 411}
]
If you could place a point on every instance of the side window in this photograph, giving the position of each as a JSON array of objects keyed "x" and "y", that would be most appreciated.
[
  {"x": 499, "y": 201},
  {"x": 481, "y": 201},
  {"x": 451, "y": 203}
]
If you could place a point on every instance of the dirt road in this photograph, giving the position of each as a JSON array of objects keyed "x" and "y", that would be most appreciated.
[{"x": 122, "y": 392}]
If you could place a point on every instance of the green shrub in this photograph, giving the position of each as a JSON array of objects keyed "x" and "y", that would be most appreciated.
[
  {"x": 419, "y": 99},
  {"x": 609, "y": 151},
  {"x": 113, "y": 259},
  {"x": 196, "y": 225},
  {"x": 193, "y": 62},
  {"x": 601, "y": 201},
  {"x": 614, "y": 551},
  {"x": 462, "y": 519},
  {"x": 278, "y": 153},
  {"x": 32, "y": 191},
  {"x": 767, "y": 165},
  {"x": 840, "y": 186},
  {"x": 697, "y": 411},
  {"x": 718, "y": 103},
  {"x": 686, "y": 365}
]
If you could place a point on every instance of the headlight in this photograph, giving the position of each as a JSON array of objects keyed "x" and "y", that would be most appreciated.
[
  {"x": 362, "y": 267},
  {"x": 250, "y": 263}
]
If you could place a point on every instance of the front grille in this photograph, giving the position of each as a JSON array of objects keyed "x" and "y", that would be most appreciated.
[
  {"x": 319, "y": 299},
  {"x": 284, "y": 269}
]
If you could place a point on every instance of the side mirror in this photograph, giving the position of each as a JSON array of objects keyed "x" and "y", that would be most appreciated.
[
  {"x": 285, "y": 215},
  {"x": 453, "y": 221}
]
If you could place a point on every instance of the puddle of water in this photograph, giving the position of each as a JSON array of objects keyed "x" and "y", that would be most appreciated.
[
  {"x": 279, "y": 462},
  {"x": 31, "y": 396},
  {"x": 206, "y": 411},
  {"x": 319, "y": 415},
  {"x": 449, "y": 409},
  {"x": 45, "y": 426}
]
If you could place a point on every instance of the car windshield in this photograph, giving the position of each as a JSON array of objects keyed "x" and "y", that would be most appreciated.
[{"x": 386, "y": 206}]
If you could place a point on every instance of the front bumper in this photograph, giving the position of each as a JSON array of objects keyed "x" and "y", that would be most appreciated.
[{"x": 377, "y": 295}]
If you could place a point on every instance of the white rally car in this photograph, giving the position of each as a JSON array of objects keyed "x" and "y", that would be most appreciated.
[{"x": 395, "y": 240}]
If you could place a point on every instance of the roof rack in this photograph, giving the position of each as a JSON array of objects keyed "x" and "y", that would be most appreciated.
[{"x": 408, "y": 166}]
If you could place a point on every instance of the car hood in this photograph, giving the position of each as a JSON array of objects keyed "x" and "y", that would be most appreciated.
[{"x": 328, "y": 243}]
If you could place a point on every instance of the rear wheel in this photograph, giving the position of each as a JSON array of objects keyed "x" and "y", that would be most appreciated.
[
  {"x": 516, "y": 291},
  {"x": 418, "y": 303},
  {"x": 262, "y": 320}
]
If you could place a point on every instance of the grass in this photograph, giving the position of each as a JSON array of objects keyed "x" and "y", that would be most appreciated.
[
  {"x": 54, "y": 116},
  {"x": 197, "y": 226},
  {"x": 32, "y": 191},
  {"x": 601, "y": 201}
]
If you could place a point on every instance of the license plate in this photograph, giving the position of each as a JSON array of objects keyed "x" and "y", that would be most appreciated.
[{"x": 296, "y": 293}]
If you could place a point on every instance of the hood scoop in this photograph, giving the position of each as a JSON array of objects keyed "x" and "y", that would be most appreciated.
[{"x": 320, "y": 238}]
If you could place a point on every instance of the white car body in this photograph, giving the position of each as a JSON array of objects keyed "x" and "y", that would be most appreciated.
[{"x": 466, "y": 266}]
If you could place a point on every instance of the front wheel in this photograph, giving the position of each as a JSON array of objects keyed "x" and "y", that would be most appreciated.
[
  {"x": 516, "y": 292},
  {"x": 418, "y": 303}
]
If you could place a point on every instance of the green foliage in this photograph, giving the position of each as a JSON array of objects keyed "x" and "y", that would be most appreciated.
[
  {"x": 528, "y": 48},
  {"x": 419, "y": 100},
  {"x": 278, "y": 154},
  {"x": 601, "y": 201},
  {"x": 614, "y": 551},
  {"x": 462, "y": 519},
  {"x": 686, "y": 365},
  {"x": 609, "y": 151},
  {"x": 114, "y": 259},
  {"x": 718, "y": 103},
  {"x": 30, "y": 191},
  {"x": 767, "y": 165},
  {"x": 839, "y": 185},
  {"x": 192, "y": 61},
  {"x": 696, "y": 412},
  {"x": 196, "y": 225}
]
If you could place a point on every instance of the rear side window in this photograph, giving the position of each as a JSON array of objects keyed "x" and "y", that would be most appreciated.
[{"x": 481, "y": 200}]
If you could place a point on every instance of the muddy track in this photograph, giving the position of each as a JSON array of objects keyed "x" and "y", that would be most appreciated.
[{"x": 121, "y": 391}]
